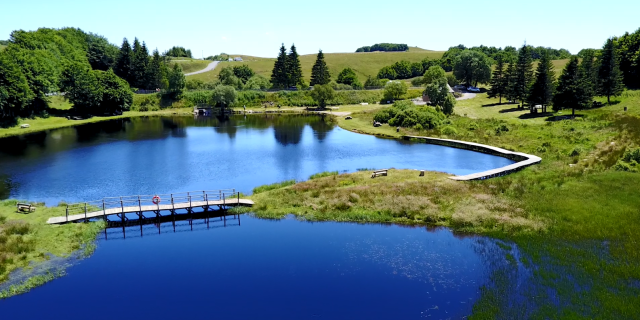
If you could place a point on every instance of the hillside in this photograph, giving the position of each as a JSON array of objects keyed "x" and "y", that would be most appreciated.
[
  {"x": 364, "y": 63},
  {"x": 190, "y": 65}
]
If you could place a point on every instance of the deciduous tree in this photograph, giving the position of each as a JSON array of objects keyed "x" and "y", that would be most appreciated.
[
  {"x": 394, "y": 90},
  {"x": 322, "y": 93},
  {"x": 224, "y": 96},
  {"x": 472, "y": 67},
  {"x": 434, "y": 73},
  {"x": 437, "y": 91}
]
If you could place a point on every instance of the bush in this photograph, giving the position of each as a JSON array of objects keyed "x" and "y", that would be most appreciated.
[
  {"x": 375, "y": 83},
  {"x": 417, "y": 82},
  {"x": 501, "y": 128},
  {"x": 427, "y": 117},
  {"x": 449, "y": 131},
  {"x": 629, "y": 161},
  {"x": 194, "y": 84},
  {"x": 274, "y": 186}
]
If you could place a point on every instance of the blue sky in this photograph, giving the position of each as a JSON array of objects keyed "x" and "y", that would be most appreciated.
[{"x": 259, "y": 27}]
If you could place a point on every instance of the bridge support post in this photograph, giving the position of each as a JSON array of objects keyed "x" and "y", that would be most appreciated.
[{"x": 104, "y": 213}]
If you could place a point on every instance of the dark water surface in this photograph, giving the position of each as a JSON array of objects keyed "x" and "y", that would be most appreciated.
[{"x": 245, "y": 268}]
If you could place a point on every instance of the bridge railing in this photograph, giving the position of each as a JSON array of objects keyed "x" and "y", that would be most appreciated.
[{"x": 147, "y": 200}]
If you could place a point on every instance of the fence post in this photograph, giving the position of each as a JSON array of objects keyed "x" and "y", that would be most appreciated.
[
  {"x": 104, "y": 211},
  {"x": 67, "y": 215},
  {"x": 238, "y": 197},
  {"x": 85, "y": 212},
  {"x": 139, "y": 204},
  {"x": 122, "y": 206}
]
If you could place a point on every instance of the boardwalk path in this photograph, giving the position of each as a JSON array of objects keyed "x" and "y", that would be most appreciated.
[
  {"x": 139, "y": 204},
  {"x": 523, "y": 159}
]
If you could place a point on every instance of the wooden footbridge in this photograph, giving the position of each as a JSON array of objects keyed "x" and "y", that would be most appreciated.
[{"x": 120, "y": 206}]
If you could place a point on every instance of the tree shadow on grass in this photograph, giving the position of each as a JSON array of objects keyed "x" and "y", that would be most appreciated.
[
  {"x": 535, "y": 115},
  {"x": 498, "y": 104},
  {"x": 512, "y": 110}
]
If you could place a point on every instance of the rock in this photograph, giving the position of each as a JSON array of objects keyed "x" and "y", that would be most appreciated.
[{"x": 24, "y": 126}]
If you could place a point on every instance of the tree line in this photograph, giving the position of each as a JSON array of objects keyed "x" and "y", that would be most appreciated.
[
  {"x": 596, "y": 75},
  {"x": 95, "y": 74},
  {"x": 388, "y": 47},
  {"x": 178, "y": 52}
]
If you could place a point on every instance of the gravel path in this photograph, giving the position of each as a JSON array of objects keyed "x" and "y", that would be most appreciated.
[
  {"x": 210, "y": 67},
  {"x": 467, "y": 95}
]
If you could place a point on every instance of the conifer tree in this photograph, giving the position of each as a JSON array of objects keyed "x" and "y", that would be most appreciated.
[
  {"x": 609, "y": 75},
  {"x": 571, "y": 92},
  {"x": 139, "y": 65},
  {"x": 510, "y": 76},
  {"x": 523, "y": 74},
  {"x": 320, "y": 72},
  {"x": 542, "y": 89},
  {"x": 293, "y": 67},
  {"x": 279, "y": 75},
  {"x": 499, "y": 81},
  {"x": 123, "y": 63},
  {"x": 155, "y": 72},
  {"x": 588, "y": 72}
]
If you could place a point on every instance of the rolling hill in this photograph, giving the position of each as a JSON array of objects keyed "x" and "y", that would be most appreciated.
[{"x": 364, "y": 63}]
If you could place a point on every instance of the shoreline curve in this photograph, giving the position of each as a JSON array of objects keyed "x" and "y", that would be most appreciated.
[{"x": 522, "y": 159}]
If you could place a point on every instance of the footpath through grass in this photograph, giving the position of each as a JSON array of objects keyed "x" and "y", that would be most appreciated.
[{"x": 574, "y": 217}]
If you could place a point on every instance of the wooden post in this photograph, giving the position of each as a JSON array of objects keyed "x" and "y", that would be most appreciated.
[
  {"x": 85, "y": 212},
  {"x": 173, "y": 206},
  {"x": 238, "y": 197},
  {"x": 139, "y": 204},
  {"x": 67, "y": 215},
  {"x": 104, "y": 214}
]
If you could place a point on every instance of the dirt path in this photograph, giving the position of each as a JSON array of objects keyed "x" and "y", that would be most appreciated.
[{"x": 210, "y": 67}]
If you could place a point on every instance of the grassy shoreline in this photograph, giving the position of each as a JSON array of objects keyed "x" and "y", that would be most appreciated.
[
  {"x": 26, "y": 241},
  {"x": 577, "y": 217}
]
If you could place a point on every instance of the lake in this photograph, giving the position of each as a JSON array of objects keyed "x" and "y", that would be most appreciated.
[{"x": 242, "y": 268}]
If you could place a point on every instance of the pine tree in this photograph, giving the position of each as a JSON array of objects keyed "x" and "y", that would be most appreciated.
[
  {"x": 609, "y": 75},
  {"x": 523, "y": 74},
  {"x": 139, "y": 65},
  {"x": 509, "y": 78},
  {"x": 542, "y": 89},
  {"x": 499, "y": 79},
  {"x": 123, "y": 63},
  {"x": 571, "y": 92},
  {"x": 293, "y": 67},
  {"x": 280, "y": 74},
  {"x": 320, "y": 72},
  {"x": 155, "y": 76},
  {"x": 588, "y": 72}
]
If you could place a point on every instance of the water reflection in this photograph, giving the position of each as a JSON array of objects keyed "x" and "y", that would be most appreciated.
[{"x": 165, "y": 154}]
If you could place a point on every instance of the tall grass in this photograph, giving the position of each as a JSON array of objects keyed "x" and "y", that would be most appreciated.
[{"x": 274, "y": 186}]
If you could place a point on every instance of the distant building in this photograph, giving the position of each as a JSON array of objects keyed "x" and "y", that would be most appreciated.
[
  {"x": 237, "y": 59},
  {"x": 230, "y": 60}
]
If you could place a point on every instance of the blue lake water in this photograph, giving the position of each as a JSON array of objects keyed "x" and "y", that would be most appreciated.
[{"x": 244, "y": 268}]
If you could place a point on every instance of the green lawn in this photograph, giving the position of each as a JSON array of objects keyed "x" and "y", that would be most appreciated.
[{"x": 364, "y": 63}]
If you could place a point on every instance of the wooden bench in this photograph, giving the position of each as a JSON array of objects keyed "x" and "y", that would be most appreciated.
[
  {"x": 378, "y": 173},
  {"x": 25, "y": 207}
]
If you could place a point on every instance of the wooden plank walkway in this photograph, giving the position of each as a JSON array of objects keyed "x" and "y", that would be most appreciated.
[
  {"x": 99, "y": 209},
  {"x": 523, "y": 159}
]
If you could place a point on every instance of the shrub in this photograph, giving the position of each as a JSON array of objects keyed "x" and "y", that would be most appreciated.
[
  {"x": 473, "y": 126},
  {"x": 417, "y": 82},
  {"x": 501, "y": 128},
  {"x": 629, "y": 161},
  {"x": 575, "y": 152},
  {"x": 449, "y": 131}
]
